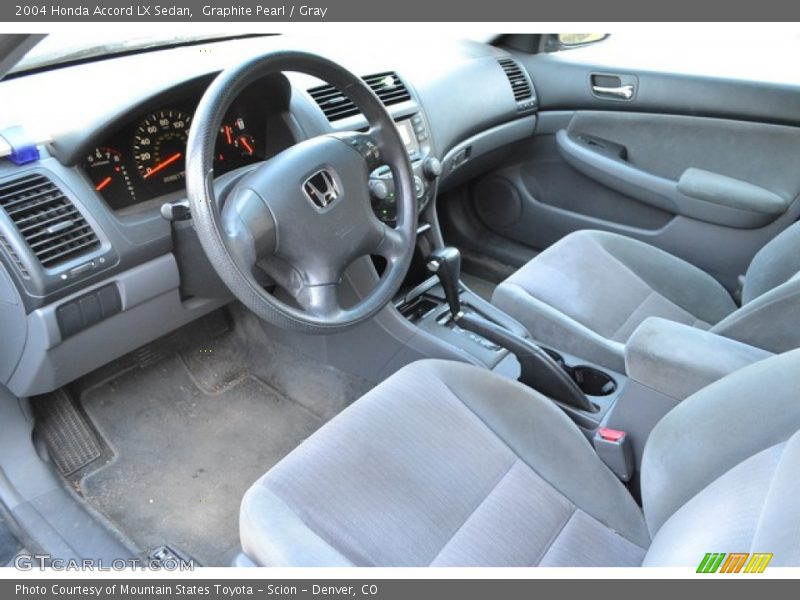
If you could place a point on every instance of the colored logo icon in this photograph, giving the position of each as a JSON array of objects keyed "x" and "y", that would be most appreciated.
[{"x": 734, "y": 562}]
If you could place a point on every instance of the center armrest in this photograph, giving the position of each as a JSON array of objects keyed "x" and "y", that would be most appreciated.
[{"x": 678, "y": 360}]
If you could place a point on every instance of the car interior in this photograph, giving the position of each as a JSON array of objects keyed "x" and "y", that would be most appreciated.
[{"x": 277, "y": 301}]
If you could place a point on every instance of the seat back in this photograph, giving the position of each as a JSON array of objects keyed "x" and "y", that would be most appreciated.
[
  {"x": 773, "y": 265},
  {"x": 770, "y": 297},
  {"x": 719, "y": 472}
]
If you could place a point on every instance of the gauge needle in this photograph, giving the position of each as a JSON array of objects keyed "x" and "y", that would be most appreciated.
[
  {"x": 228, "y": 135},
  {"x": 165, "y": 163},
  {"x": 246, "y": 145},
  {"x": 103, "y": 184}
]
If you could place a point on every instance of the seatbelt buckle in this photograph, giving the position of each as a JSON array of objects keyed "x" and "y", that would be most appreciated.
[{"x": 614, "y": 448}]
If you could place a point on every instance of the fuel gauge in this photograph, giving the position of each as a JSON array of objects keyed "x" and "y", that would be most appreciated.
[
  {"x": 235, "y": 146},
  {"x": 107, "y": 171}
]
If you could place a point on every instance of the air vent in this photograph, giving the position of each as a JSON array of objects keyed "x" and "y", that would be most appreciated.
[
  {"x": 388, "y": 87},
  {"x": 519, "y": 82},
  {"x": 14, "y": 257},
  {"x": 50, "y": 224}
]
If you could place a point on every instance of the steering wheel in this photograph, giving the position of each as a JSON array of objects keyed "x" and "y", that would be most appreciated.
[{"x": 303, "y": 216}]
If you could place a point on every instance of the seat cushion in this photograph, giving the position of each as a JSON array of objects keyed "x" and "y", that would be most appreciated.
[
  {"x": 587, "y": 293},
  {"x": 444, "y": 464}
]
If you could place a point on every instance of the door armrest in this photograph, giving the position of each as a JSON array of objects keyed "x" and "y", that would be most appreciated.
[{"x": 727, "y": 191}]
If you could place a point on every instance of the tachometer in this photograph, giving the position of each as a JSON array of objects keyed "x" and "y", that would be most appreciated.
[
  {"x": 159, "y": 149},
  {"x": 107, "y": 171}
]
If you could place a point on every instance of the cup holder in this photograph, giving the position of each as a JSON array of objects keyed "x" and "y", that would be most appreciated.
[{"x": 593, "y": 382}]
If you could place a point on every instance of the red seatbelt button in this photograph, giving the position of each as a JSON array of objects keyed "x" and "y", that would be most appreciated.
[{"x": 610, "y": 435}]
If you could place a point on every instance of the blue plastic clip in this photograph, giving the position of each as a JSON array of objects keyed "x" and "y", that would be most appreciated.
[{"x": 23, "y": 150}]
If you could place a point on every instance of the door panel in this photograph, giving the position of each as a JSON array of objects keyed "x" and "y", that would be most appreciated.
[{"x": 662, "y": 166}]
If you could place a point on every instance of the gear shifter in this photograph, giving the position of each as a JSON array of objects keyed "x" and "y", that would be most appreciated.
[
  {"x": 446, "y": 263},
  {"x": 538, "y": 369}
]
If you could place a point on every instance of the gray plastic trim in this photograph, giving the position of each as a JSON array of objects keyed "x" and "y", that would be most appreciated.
[
  {"x": 456, "y": 171},
  {"x": 636, "y": 412},
  {"x": 151, "y": 307},
  {"x": 13, "y": 327}
]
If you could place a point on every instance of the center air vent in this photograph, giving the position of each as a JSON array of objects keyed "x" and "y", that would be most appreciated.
[
  {"x": 520, "y": 85},
  {"x": 388, "y": 87},
  {"x": 50, "y": 224}
]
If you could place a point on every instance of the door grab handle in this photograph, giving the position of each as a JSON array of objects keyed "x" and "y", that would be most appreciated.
[{"x": 623, "y": 91}]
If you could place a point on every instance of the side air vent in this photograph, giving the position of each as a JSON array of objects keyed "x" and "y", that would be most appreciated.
[
  {"x": 520, "y": 85},
  {"x": 388, "y": 87},
  {"x": 14, "y": 257},
  {"x": 50, "y": 224}
]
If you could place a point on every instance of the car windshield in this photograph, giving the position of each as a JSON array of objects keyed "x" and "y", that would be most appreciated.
[{"x": 62, "y": 48}]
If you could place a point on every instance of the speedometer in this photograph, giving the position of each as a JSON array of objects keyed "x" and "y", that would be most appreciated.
[{"x": 159, "y": 149}]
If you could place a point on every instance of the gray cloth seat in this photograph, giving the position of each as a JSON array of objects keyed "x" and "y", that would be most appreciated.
[
  {"x": 588, "y": 293},
  {"x": 448, "y": 464}
]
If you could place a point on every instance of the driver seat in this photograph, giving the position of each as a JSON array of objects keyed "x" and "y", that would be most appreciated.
[{"x": 446, "y": 464}]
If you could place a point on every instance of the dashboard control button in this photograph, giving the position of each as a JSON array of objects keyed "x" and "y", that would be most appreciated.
[
  {"x": 90, "y": 309},
  {"x": 110, "y": 301},
  {"x": 69, "y": 319}
]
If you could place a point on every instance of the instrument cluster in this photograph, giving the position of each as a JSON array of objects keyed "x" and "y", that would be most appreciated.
[{"x": 146, "y": 158}]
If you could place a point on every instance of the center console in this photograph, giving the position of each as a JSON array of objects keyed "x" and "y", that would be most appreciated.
[{"x": 444, "y": 308}]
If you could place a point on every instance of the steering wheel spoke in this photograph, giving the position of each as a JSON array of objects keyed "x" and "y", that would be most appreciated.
[
  {"x": 248, "y": 227},
  {"x": 321, "y": 301},
  {"x": 392, "y": 244}
]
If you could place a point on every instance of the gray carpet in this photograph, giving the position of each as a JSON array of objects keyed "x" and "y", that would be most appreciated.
[{"x": 194, "y": 429}]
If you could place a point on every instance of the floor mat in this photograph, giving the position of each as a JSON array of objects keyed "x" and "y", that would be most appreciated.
[
  {"x": 194, "y": 430},
  {"x": 71, "y": 442}
]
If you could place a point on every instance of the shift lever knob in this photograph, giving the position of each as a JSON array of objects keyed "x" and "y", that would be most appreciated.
[{"x": 446, "y": 263}]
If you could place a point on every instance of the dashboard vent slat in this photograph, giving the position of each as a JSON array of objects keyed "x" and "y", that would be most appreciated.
[
  {"x": 45, "y": 221},
  {"x": 14, "y": 257},
  {"x": 49, "y": 222},
  {"x": 387, "y": 86},
  {"x": 516, "y": 77}
]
